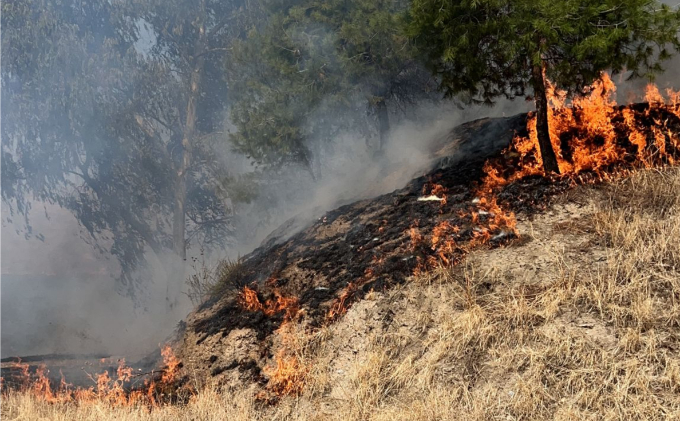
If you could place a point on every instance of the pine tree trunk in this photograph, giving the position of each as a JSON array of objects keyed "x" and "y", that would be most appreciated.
[
  {"x": 383, "y": 124},
  {"x": 542, "y": 130}
]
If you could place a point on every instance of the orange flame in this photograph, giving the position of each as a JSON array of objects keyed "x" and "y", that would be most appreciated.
[
  {"x": 286, "y": 378},
  {"x": 288, "y": 374},
  {"x": 585, "y": 135},
  {"x": 340, "y": 306},
  {"x": 590, "y": 123},
  {"x": 107, "y": 390},
  {"x": 169, "y": 360},
  {"x": 415, "y": 236},
  {"x": 249, "y": 301}
]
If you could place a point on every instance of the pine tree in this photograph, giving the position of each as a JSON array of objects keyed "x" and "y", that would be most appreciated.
[{"x": 498, "y": 48}]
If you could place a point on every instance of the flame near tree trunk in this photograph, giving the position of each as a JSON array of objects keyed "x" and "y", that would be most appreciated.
[{"x": 543, "y": 135}]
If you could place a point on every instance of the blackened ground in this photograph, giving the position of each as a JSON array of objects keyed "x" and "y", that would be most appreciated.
[
  {"x": 316, "y": 263},
  {"x": 367, "y": 245}
]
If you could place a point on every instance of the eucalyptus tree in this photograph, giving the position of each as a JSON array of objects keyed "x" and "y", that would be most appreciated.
[{"x": 113, "y": 110}]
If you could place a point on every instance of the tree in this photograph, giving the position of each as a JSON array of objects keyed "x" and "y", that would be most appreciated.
[
  {"x": 492, "y": 48},
  {"x": 314, "y": 69},
  {"x": 112, "y": 110}
]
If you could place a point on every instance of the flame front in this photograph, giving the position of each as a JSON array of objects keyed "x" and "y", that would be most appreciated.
[
  {"x": 107, "y": 390},
  {"x": 593, "y": 139},
  {"x": 586, "y": 136}
]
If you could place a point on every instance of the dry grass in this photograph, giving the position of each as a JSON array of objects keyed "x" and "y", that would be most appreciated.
[
  {"x": 206, "y": 406},
  {"x": 595, "y": 335},
  {"x": 209, "y": 281}
]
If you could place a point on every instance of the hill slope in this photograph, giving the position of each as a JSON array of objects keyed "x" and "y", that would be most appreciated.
[
  {"x": 579, "y": 320},
  {"x": 307, "y": 280},
  {"x": 481, "y": 290},
  {"x": 335, "y": 260}
]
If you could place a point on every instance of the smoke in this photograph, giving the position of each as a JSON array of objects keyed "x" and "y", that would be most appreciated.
[
  {"x": 350, "y": 172},
  {"x": 59, "y": 296}
]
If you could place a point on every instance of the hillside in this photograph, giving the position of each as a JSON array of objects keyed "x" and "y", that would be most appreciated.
[
  {"x": 481, "y": 290},
  {"x": 333, "y": 261},
  {"x": 577, "y": 321},
  {"x": 474, "y": 200}
]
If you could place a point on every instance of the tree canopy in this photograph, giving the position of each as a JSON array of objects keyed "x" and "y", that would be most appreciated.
[
  {"x": 110, "y": 111},
  {"x": 125, "y": 112},
  {"x": 315, "y": 68},
  {"x": 492, "y": 48}
]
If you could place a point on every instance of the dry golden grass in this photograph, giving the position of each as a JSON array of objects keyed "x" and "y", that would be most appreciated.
[{"x": 594, "y": 335}]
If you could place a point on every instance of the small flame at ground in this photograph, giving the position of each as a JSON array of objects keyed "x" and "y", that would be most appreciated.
[
  {"x": 287, "y": 375},
  {"x": 249, "y": 301},
  {"x": 117, "y": 392}
]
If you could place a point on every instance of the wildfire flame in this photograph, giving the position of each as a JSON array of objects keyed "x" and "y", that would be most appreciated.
[
  {"x": 108, "y": 390},
  {"x": 287, "y": 375},
  {"x": 249, "y": 301},
  {"x": 592, "y": 125},
  {"x": 592, "y": 137},
  {"x": 341, "y": 304},
  {"x": 415, "y": 236}
]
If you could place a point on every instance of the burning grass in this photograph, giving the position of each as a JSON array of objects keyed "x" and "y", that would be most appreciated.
[
  {"x": 514, "y": 329},
  {"x": 595, "y": 140},
  {"x": 574, "y": 324},
  {"x": 592, "y": 335},
  {"x": 124, "y": 389}
]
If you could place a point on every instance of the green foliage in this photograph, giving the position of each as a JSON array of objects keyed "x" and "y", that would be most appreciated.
[
  {"x": 313, "y": 70},
  {"x": 486, "y": 48}
]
